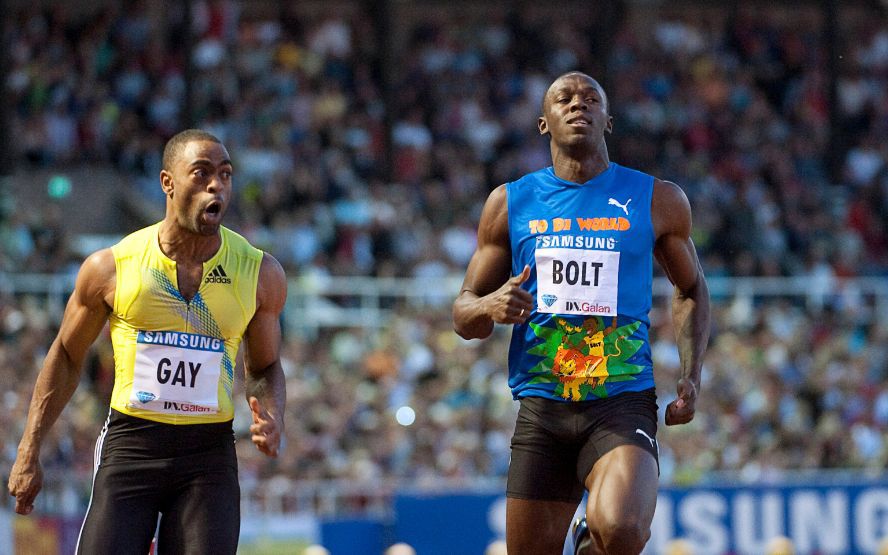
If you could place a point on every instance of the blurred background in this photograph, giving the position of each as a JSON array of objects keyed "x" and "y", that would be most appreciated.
[{"x": 366, "y": 137}]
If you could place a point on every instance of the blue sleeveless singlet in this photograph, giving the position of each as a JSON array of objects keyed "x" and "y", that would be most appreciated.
[{"x": 589, "y": 247}]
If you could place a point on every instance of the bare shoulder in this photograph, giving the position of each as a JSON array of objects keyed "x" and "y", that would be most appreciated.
[
  {"x": 498, "y": 195},
  {"x": 670, "y": 209},
  {"x": 100, "y": 263},
  {"x": 494, "y": 225},
  {"x": 272, "y": 288},
  {"x": 669, "y": 197},
  {"x": 497, "y": 202},
  {"x": 96, "y": 280}
]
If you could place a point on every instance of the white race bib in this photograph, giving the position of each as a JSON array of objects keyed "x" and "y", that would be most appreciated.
[
  {"x": 577, "y": 281},
  {"x": 177, "y": 372}
]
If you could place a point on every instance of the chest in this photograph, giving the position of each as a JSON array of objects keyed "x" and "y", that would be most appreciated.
[
  {"x": 611, "y": 216},
  {"x": 189, "y": 277},
  {"x": 211, "y": 301}
]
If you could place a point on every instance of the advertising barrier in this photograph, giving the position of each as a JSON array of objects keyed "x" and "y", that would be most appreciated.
[
  {"x": 820, "y": 517},
  {"x": 837, "y": 518}
]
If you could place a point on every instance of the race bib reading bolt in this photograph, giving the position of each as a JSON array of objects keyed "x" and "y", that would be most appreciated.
[{"x": 577, "y": 281}]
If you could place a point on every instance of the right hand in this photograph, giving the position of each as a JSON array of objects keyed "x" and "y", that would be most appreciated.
[
  {"x": 25, "y": 482},
  {"x": 511, "y": 304},
  {"x": 681, "y": 410},
  {"x": 265, "y": 430}
]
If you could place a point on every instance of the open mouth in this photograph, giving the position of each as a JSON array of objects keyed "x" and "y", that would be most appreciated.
[
  {"x": 578, "y": 121},
  {"x": 212, "y": 213}
]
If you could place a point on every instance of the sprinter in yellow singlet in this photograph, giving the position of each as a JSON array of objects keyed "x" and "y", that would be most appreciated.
[{"x": 180, "y": 295}]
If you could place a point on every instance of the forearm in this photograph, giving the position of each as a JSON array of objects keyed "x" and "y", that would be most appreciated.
[
  {"x": 470, "y": 319},
  {"x": 690, "y": 315},
  {"x": 56, "y": 383},
  {"x": 269, "y": 386}
]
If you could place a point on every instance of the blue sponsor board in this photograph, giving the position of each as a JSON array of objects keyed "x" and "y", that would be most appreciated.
[
  {"x": 462, "y": 523},
  {"x": 354, "y": 536},
  {"x": 821, "y": 517},
  {"x": 847, "y": 517},
  {"x": 840, "y": 517}
]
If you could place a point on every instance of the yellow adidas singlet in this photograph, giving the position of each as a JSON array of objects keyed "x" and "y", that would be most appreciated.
[{"x": 174, "y": 359}]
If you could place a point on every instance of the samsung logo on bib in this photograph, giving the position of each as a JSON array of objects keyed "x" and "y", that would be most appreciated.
[{"x": 593, "y": 308}]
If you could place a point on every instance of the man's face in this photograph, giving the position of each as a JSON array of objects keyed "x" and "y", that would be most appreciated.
[
  {"x": 575, "y": 111},
  {"x": 200, "y": 183}
]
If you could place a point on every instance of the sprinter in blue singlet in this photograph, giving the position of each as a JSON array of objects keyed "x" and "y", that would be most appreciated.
[{"x": 565, "y": 256}]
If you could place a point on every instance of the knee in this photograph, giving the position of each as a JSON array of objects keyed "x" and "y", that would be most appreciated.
[{"x": 625, "y": 536}]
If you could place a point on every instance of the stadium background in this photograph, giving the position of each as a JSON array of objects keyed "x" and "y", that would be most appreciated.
[{"x": 366, "y": 136}]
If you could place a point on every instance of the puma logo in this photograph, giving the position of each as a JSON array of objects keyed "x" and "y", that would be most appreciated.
[
  {"x": 642, "y": 432},
  {"x": 614, "y": 202}
]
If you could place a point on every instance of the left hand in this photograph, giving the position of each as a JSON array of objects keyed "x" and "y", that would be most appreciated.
[
  {"x": 265, "y": 430},
  {"x": 681, "y": 410},
  {"x": 25, "y": 482}
]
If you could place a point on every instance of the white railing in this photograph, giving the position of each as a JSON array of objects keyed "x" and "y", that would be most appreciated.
[
  {"x": 280, "y": 495},
  {"x": 317, "y": 302}
]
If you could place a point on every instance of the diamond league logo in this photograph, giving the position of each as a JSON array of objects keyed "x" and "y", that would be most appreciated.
[
  {"x": 145, "y": 396},
  {"x": 549, "y": 299}
]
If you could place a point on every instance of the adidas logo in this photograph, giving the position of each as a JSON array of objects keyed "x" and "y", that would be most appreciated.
[{"x": 217, "y": 275}]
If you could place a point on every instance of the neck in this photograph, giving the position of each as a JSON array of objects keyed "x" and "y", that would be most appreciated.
[
  {"x": 580, "y": 166},
  {"x": 186, "y": 246}
]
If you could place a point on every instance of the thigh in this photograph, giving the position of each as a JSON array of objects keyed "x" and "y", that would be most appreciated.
[
  {"x": 123, "y": 508},
  {"x": 622, "y": 489},
  {"x": 204, "y": 514},
  {"x": 543, "y": 461},
  {"x": 537, "y": 527},
  {"x": 626, "y": 419},
  {"x": 620, "y": 466}
]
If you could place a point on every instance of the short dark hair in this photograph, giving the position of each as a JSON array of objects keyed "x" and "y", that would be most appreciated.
[
  {"x": 581, "y": 74},
  {"x": 177, "y": 143}
]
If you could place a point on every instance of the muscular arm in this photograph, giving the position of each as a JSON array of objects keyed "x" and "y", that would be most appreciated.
[
  {"x": 488, "y": 294},
  {"x": 84, "y": 317},
  {"x": 674, "y": 250},
  {"x": 265, "y": 384}
]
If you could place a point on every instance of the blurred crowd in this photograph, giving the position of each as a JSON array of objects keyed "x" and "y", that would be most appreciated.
[{"x": 354, "y": 156}]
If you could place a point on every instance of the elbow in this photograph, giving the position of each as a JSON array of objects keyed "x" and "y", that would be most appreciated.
[
  {"x": 461, "y": 330},
  {"x": 701, "y": 290},
  {"x": 472, "y": 332},
  {"x": 466, "y": 334},
  {"x": 468, "y": 320},
  {"x": 695, "y": 290}
]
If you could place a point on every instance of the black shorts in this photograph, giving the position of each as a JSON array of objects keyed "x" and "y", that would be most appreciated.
[
  {"x": 177, "y": 480},
  {"x": 556, "y": 444}
]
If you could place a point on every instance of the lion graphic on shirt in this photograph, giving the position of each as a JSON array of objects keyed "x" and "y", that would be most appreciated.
[{"x": 584, "y": 362}]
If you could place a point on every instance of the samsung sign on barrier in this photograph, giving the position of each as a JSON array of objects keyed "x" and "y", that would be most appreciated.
[
  {"x": 836, "y": 518},
  {"x": 840, "y": 519}
]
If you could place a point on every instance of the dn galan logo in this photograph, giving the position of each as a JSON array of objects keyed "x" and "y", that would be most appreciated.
[{"x": 217, "y": 275}]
